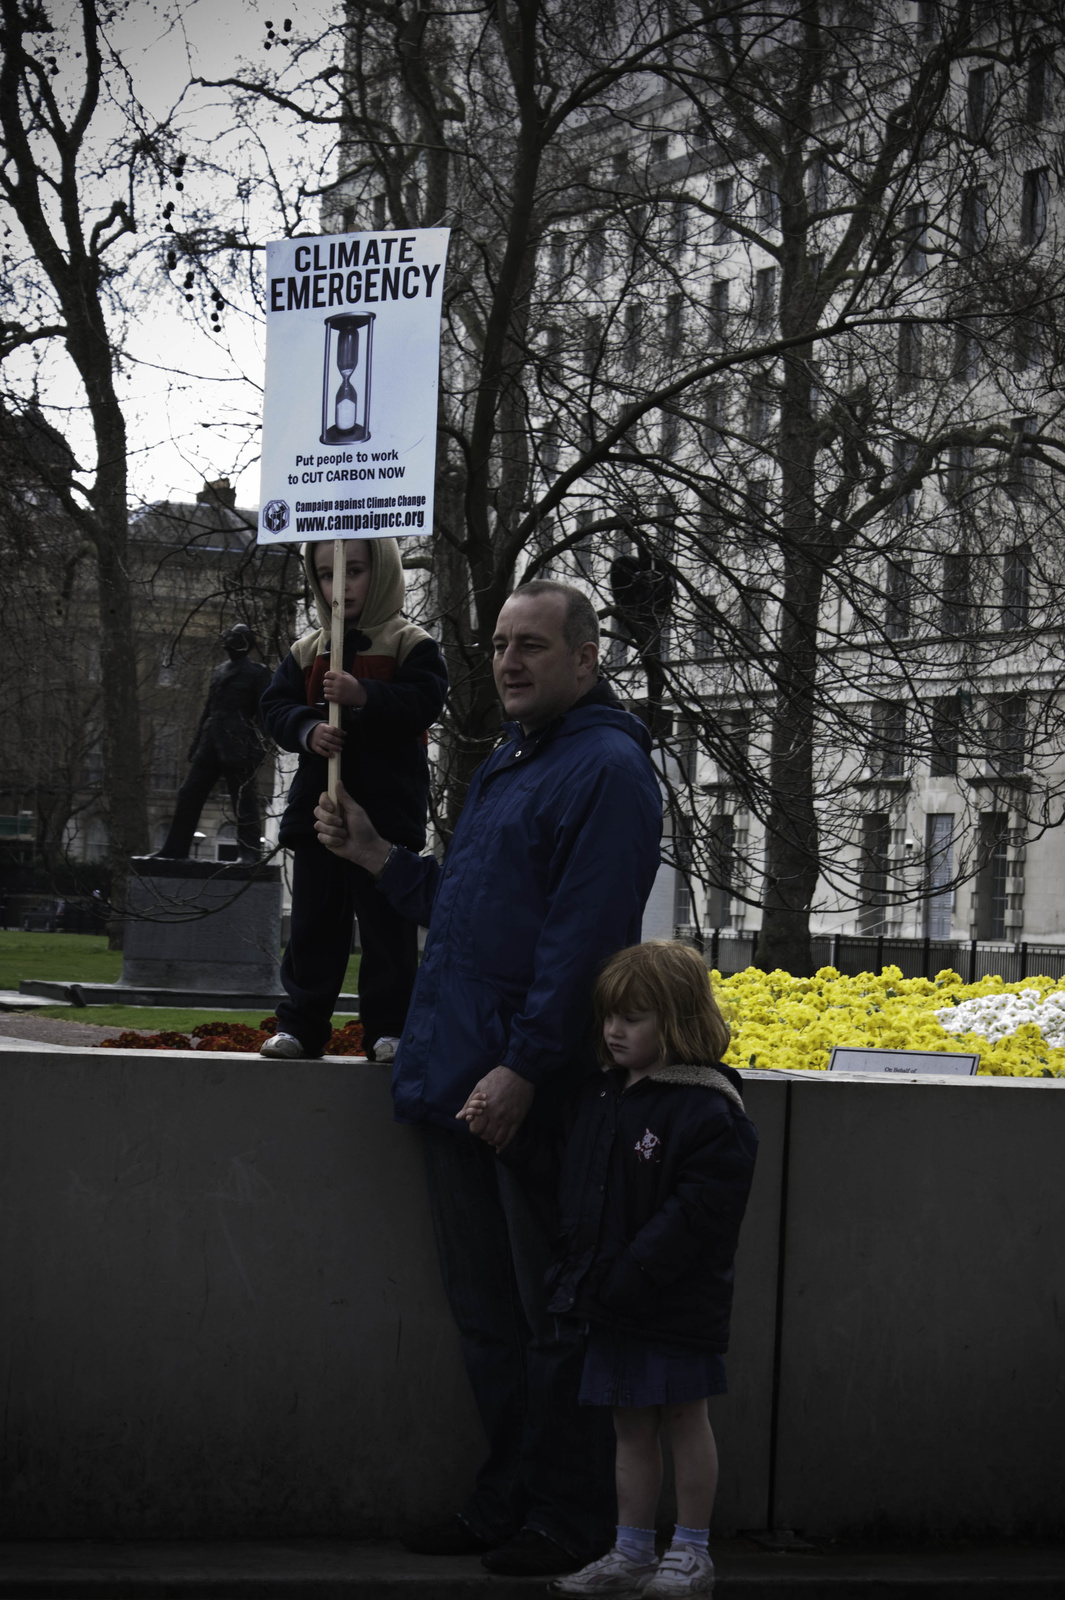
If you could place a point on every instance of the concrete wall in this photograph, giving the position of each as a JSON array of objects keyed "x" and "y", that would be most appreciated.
[{"x": 221, "y": 1314}]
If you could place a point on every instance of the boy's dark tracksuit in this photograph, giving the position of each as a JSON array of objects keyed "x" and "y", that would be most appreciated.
[{"x": 384, "y": 766}]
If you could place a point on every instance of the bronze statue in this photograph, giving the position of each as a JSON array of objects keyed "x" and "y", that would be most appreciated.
[{"x": 229, "y": 744}]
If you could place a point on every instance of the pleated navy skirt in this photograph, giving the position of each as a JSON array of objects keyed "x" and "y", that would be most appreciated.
[{"x": 623, "y": 1369}]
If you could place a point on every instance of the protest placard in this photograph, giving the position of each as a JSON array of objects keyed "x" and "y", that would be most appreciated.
[{"x": 352, "y": 373}]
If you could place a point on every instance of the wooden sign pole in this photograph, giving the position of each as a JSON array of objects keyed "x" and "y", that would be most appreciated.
[{"x": 336, "y": 647}]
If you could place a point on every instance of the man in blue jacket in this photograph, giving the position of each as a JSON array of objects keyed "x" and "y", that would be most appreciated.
[{"x": 546, "y": 875}]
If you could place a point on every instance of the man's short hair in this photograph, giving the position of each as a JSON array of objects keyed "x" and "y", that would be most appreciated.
[{"x": 580, "y": 624}]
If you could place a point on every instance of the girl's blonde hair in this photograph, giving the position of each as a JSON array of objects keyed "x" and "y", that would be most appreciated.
[{"x": 671, "y": 981}]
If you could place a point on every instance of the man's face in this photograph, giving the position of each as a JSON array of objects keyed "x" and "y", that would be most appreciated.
[
  {"x": 357, "y": 574},
  {"x": 537, "y": 675}
]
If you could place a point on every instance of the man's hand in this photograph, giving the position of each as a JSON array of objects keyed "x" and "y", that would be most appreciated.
[
  {"x": 344, "y": 689},
  {"x": 347, "y": 831},
  {"x": 498, "y": 1106},
  {"x": 326, "y": 741}
]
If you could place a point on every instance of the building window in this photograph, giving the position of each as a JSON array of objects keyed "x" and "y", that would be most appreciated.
[
  {"x": 956, "y": 608},
  {"x": 1029, "y": 340},
  {"x": 703, "y": 632},
  {"x": 550, "y": 449},
  {"x": 898, "y": 593},
  {"x": 760, "y": 409},
  {"x": 873, "y": 875},
  {"x": 765, "y": 298},
  {"x": 591, "y": 344},
  {"x": 904, "y": 458},
  {"x": 817, "y": 185},
  {"x": 713, "y": 419},
  {"x": 632, "y": 323},
  {"x": 1037, "y": 88},
  {"x": 678, "y": 230},
  {"x": 965, "y": 357},
  {"x": 959, "y": 471},
  {"x": 724, "y": 192},
  {"x": 557, "y": 263},
  {"x": 979, "y": 95},
  {"x": 165, "y": 760},
  {"x": 719, "y": 309},
  {"x": 1035, "y": 200},
  {"x": 973, "y": 219},
  {"x": 887, "y": 751},
  {"x": 669, "y": 434},
  {"x": 946, "y": 719},
  {"x": 767, "y": 200},
  {"x": 910, "y": 343},
  {"x": 1007, "y": 734},
  {"x": 673, "y": 329},
  {"x": 992, "y": 901},
  {"x": 927, "y": 21},
  {"x": 722, "y": 871},
  {"x": 1021, "y": 474},
  {"x": 596, "y": 256},
  {"x": 940, "y": 852},
  {"x": 1016, "y": 586},
  {"x": 915, "y": 239}
]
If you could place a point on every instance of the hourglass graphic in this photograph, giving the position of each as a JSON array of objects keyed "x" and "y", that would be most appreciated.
[{"x": 346, "y": 378}]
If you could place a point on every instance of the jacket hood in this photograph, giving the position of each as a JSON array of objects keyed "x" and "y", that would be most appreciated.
[
  {"x": 599, "y": 708},
  {"x": 388, "y": 589},
  {"x": 383, "y": 627}
]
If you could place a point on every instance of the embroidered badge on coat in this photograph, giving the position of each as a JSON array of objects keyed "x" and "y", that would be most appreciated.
[{"x": 645, "y": 1148}]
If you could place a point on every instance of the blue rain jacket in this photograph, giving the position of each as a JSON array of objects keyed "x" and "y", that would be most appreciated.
[{"x": 547, "y": 874}]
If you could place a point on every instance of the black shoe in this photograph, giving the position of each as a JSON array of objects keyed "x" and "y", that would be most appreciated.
[
  {"x": 451, "y": 1538},
  {"x": 530, "y": 1555}
]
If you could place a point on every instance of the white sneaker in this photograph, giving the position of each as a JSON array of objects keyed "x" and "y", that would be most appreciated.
[
  {"x": 614, "y": 1573},
  {"x": 284, "y": 1047},
  {"x": 385, "y": 1048},
  {"x": 683, "y": 1571}
]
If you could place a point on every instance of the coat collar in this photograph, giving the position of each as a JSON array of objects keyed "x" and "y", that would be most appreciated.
[{"x": 691, "y": 1075}]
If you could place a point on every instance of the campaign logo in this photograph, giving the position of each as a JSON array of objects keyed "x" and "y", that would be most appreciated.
[
  {"x": 645, "y": 1148},
  {"x": 275, "y": 515}
]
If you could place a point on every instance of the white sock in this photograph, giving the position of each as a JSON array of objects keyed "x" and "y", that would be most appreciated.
[
  {"x": 690, "y": 1538},
  {"x": 638, "y": 1544}
]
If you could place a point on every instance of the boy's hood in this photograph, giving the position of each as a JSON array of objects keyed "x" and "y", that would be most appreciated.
[
  {"x": 388, "y": 589},
  {"x": 384, "y": 629}
]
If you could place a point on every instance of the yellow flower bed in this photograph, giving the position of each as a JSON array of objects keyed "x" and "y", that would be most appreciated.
[{"x": 792, "y": 1023}]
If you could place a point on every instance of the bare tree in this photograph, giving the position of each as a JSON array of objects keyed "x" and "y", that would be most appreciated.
[{"x": 734, "y": 309}]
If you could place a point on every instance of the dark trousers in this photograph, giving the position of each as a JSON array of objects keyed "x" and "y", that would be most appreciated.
[
  {"x": 550, "y": 1463},
  {"x": 192, "y": 796},
  {"x": 327, "y": 895}
]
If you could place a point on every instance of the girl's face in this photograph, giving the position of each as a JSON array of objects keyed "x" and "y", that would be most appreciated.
[
  {"x": 357, "y": 573},
  {"x": 632, "y": 1039}
]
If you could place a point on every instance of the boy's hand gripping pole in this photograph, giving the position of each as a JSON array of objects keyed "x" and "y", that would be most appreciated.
[{"x": 336, "y": 648}]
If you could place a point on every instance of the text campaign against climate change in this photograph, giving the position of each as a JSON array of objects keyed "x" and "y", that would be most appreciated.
[{"x": 352, "y": 372}]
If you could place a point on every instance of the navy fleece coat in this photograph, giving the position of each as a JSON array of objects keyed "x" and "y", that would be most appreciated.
[
  {"x": 546, "y": 875},
  {"x": 654, "y": 1185}
]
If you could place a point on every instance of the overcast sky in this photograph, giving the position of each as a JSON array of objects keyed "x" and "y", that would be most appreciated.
[{"x": 192, "y": 396}]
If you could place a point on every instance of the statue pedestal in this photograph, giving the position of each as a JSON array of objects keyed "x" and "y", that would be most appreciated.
[{"x": 202, "y": 925}]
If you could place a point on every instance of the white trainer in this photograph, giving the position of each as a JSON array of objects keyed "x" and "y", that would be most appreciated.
[
  {"x": 283, "y": 1047},
  {"x": 613, "y": 1573},
  {"x": 683, "y": 1571},
  {"x": 385, "y": 1048}
]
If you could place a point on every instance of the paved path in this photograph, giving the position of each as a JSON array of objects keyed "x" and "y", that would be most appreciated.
[{"x": 321, "y": 1570}]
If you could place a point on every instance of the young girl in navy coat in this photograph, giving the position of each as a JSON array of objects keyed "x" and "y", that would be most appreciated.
[{"x": 654, "y": 1185}]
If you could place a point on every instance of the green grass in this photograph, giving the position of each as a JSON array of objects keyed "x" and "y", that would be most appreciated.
[
  {"x": 70, "y": 957},
  {"x": 157, "y": 1018},
  {"x": 85, "y": 958}
]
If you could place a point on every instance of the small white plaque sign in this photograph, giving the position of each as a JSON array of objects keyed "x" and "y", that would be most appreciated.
[{"x": 903, "y": 1063}]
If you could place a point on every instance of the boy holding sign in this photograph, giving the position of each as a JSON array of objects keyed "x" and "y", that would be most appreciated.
[{"x": 390, "y": 691}]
